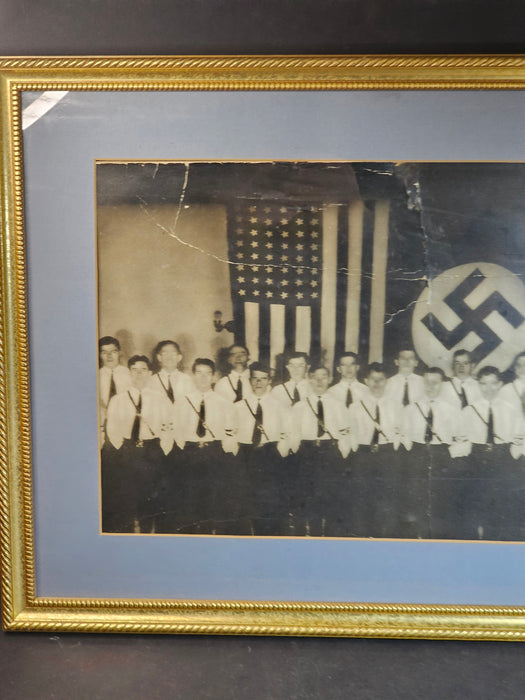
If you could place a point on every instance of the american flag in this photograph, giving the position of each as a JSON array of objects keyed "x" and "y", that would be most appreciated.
[{"x": 299, "y": 277}]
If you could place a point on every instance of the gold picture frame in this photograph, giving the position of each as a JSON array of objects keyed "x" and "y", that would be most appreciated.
[{"x": 22, "y": 608}]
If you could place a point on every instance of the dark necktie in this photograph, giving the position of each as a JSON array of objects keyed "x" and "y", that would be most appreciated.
[
  {"x": 257, "y": 428},
  {"x": 375, "y": 436},
  {"x": 238, "y": 391},
  {"x": 320, "y": 418},
  {"x": 112, "y": 387},
  {"x": 135, "y": 428},
  {"x": 462, "y": 396},
  {"x": 169, "y": 391},
  {"x": 490, "y": 427},
  {"x": 406, "y": 398},
  {"x": 296, "y": 397},
  {"x": 201, "y": 426},
  {"x": 349, "y": 397},
  {"x": 430, "y": 425}
]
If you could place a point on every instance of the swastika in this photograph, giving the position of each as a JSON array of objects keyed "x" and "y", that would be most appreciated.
[{"x": 473, "y": 320}]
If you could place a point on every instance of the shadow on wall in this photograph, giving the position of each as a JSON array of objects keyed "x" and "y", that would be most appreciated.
[{"x": 218, "y": 344}]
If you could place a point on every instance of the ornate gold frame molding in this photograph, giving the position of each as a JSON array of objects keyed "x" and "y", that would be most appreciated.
[{"x": 22, "y": 610}]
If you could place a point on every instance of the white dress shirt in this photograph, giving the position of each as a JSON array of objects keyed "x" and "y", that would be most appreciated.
[
  {"x": 121, "y": 377},
  {"x": 218, "y": 419},
  {"x": 226, "y": 386},
  {"x": 506, "y": 420},
  {"x": 340, "y": 391},
  {"x": 283, "y": 393},
  {"x": 451, "y": 390},
  {"x": 445, "y": 423},
  {"x": 305, "y": 423},
  {"x": 180, "y": 383},
  {"x": 155, "y": 417},
  {"x": 512, "y": 393},
  {"x": 362, "y": 421},
  {"x": 276, "y": 422},
  {"x": 395, "y": 387}
]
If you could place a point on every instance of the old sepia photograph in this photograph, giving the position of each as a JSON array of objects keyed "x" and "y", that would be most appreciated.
[{"x": 312, "y": 349}]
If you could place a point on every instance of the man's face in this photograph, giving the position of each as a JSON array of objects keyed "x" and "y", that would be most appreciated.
[
  {"x": 169, "y": 358},
  {"x": 319, "y": 380},
  {"x": 462, "y": 367},
  {"x": 203, "y": 378},
  {"x": 109, "y": 356},
  {"x": 140, "y": 375},
  {"x": 348, "y": 368},
  {"x": 259, "y": 382},
  {"x": 238, "y": 358},
  {"x": 297, "y": 368},
  {"x": 489, "y": 385},
  {"x": 432, "y": 383},
  {"x": 376, "y": 382},
  {"x": 406, "y": 361},
  {"x": 519, "y": 368}
]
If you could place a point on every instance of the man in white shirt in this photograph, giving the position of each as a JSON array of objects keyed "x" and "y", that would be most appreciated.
[
  {"x": 375, "y": 431},
  {"x": 348, "y": 390},
  {"x": 112, "y": 376},
  {"x": 297, "y": 387},
  {"x": 203, "y": 422},
  {"x": 430, "y": 426},
  {"x": 405, "y": 387},
  {"x": 514, "y": 393},
  {"x": 139, "y": 427},
  {"x": 462, "y": 389},
  {"x": 235, "y": 385},
  {"x": 320, "y": 436},
  {"x": 262, "y": 431},
  {"x": 169, "y": 380},
  {"x": 493, "y": 429}
]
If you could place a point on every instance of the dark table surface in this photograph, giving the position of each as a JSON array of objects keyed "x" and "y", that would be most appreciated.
[
  {"x": 65, "y": 666},
  {"x": 111, "y": 666}
]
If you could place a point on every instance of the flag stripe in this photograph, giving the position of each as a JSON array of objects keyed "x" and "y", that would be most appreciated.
[
  {"x": 379, "y": 265},
  {"x": 277, "y": 339},
  {"x": 251, "y": 321},
  {"x": 329, "y": 283},
  {"x": 315, "y": 341},
  {"x": 366, "y": 279},
  {"x": 264, "y": 333},
  {"x": 355, "y": 250},
  {"x": 239, "y": 332},
  {"x": 342, "y": 279},
  {"x": 303, "y": 333},
  {"x": 289, "y": 329}
]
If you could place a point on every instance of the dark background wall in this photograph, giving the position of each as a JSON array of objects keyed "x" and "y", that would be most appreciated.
[{"x": 93, "y": 666}]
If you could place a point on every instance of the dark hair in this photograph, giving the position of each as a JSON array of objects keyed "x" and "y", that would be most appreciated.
[
  {"x": 315, "y": 368},
  {"x": 407, "y": 348},
  {"x": 259, "y": 367},
  {"x": 203, "y": 361},
  {"x": 297, "y": 356},
  {"x": 515, "y": 360},
  {"x": 138, "y": 358},
  {"x": 461, "y": 352},
  {"x": 163, "y": 344},
  {"x": 238, "y": 345},
  {"x": 434, "y": 370},
  {"x": 375, "y": 367},
  {"x": 488, "y": 370},
  {"x": 348, "y": 354},
  {"x": 108, "y": 340}
]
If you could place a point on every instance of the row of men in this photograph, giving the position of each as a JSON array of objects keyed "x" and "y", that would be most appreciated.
[
  {"x": 381, "y": 493},
  {"x": 304, "y": 389}
]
